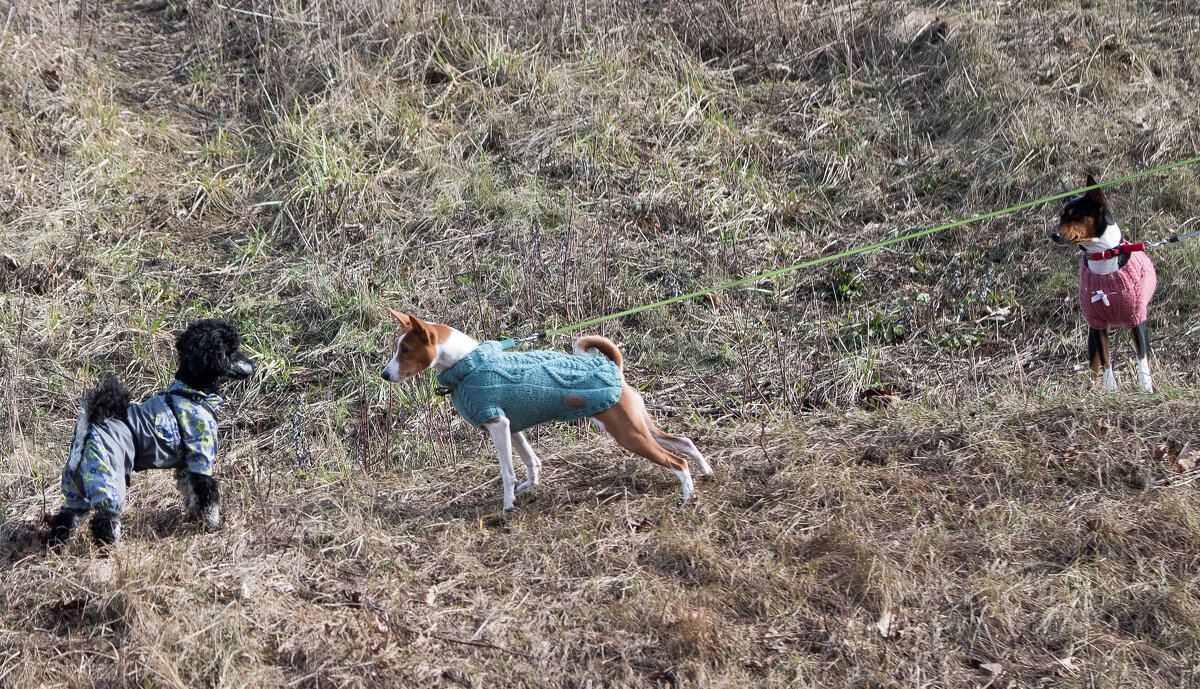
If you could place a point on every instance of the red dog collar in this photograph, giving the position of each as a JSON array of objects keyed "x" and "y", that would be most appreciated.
[{"x": 1124, "y": 248}]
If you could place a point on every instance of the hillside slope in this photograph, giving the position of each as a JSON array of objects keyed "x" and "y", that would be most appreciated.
[{"x": 504, "y": 167}]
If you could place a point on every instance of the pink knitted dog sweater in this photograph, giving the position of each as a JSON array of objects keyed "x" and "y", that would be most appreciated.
[{"x": 1118, "y": 298}]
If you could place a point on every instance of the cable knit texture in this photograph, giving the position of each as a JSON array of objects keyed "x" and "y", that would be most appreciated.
[
  {"x": 1117, "y": 299},
  {"x": 529, "y": 388}
]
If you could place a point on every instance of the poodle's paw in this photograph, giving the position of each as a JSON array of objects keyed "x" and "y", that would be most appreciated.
[
  {"x": 106, "y": 528},
  {"x": 58, "y": 527},
  {"x": 210, "y": 516},
  {"x": 201, "y": 498}
]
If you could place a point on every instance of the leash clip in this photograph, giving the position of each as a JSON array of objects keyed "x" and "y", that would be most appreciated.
[
  {"x": 441, "y": 391},
  {"x": 514, "y": 341}
]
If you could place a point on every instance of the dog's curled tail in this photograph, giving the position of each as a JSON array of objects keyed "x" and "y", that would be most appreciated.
[
  {"x": 108, "y": 400},
  {"x": 593, "y": 345},
  {"x": 105, "y": 401}
]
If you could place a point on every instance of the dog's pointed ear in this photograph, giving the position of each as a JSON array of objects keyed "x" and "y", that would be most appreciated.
[
  {"x": 418, "y": 327},
  {"x": 1096, "y": 195},
  {"x": 403, "y": 319}
]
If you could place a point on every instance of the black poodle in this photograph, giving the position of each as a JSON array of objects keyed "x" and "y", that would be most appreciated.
[{"x": 176, "y": 429}]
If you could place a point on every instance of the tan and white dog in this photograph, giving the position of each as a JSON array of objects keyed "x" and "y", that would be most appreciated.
[{"x": 506, "y": 392}]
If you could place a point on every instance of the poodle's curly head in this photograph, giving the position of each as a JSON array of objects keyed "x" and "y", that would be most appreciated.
[{"x": 208, "y": 351}]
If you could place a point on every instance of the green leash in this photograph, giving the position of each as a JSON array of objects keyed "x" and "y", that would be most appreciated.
[{"x": 513, "y": 342}]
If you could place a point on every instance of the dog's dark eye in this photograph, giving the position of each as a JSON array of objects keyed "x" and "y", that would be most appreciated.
[{"x": 404, "y": 350}]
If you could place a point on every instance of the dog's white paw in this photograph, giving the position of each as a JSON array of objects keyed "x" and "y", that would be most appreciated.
[
  {"x": 1143, "y": 375},
  {"x": 685, "y": 479},
  {"x": 211, "y": 517},
  {"x": 526, "y": 486}
]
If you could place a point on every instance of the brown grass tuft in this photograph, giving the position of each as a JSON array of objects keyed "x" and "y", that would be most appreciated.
[{"x": 988, "y": 519}]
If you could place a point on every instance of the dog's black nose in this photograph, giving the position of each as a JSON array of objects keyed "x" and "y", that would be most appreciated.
[{"x": 1056, "y": 237}]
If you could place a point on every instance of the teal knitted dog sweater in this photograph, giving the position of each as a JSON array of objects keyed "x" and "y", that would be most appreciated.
[{"x": 529, "y": 388}]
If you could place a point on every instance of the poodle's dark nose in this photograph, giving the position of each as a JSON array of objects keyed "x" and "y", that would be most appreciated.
[{"x": 241, "y": 368}]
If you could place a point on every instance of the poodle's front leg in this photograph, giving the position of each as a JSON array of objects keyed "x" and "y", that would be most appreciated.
[
  {"x": 201, "y": 497},
  {"x": 106, "y": 527}
]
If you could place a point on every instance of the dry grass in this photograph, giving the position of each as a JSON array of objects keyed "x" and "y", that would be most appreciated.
[{"x": 507, "y": 166}]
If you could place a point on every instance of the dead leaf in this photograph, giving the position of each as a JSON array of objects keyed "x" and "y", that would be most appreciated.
[
  {"x": 285, "y": 648},
  {"x": 888, "y": 623},
  {"x": 995, "y": 669},
  {"x": 638, "y": 525},
  {"x": 431, "y": 595},
  {"x": 779, "y": 71},
  {"x": 1163, "y": 451},
  {"x": 995, "y": 313},
  {"x": 1070, "y": 663},
  {"x": 9, "y": 262},
  {"x": 879, "y": 398},
  {"x": 1186, "y": 461},
  {"x": 648, "y": 222},
  {"x": 52, "y": 79}
]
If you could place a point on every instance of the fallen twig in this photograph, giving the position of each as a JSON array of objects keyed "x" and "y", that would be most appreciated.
[
  {"x": 267, "y": 16},
  {"x": 383, "y": 615}
]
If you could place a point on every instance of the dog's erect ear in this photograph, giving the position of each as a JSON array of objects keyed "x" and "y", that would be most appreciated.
[
  {"x": 418, "y": 327},
  {"x": 402, "y": 318},
  {"x": 1096, "y": 195}
]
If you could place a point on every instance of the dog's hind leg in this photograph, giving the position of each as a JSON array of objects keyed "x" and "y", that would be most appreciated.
[
  {"x": 626, "y": 423},
  {"x": 1098, "y": 354},
  {"x": 1141, "y": 343},
  {"x": 679, "y": 443},
  {"x": 533, "y": 465},
  {"x": 61, "y": 524}
]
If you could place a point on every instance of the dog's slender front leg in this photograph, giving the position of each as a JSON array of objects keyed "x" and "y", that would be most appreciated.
[
  {"x": 498, "y": 428},
  {"x": 533, "y": 465},
  {"x": 1141, "y": 343},
  {"x": 1098, "y": 355}
]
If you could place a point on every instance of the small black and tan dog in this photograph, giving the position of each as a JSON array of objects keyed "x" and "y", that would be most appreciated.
[
  {"x": 1116, "y": 281},
  {"x": 176, "y": 429}
]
